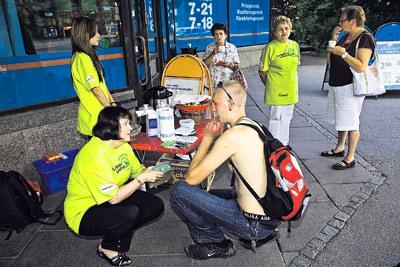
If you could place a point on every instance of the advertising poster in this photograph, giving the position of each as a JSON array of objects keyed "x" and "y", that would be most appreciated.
[{"x": 389, "y": 68}]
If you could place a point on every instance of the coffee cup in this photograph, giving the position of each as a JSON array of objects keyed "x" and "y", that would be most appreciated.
[
  {"x": 222, "y": 49},
  {"x": 332, "y": 43}
]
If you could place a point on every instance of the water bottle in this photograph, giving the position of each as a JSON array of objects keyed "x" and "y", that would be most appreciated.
[{"x": 151, "y": 122}]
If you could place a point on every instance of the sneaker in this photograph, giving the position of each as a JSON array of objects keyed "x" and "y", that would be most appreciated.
[
  {"x": 247, "y": 243},
  {"x": 210, "y": 250}
]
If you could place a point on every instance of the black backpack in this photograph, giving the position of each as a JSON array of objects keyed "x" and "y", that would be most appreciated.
[
  {"x": 20, "y": 205},
  {"x": 287, "y": 194}
]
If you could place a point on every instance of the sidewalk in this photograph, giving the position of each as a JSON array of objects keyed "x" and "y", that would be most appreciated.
[{"x": 335, "y": 196}]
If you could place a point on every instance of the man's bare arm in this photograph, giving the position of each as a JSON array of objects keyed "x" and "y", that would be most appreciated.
[{"x": 206, "y": 160}]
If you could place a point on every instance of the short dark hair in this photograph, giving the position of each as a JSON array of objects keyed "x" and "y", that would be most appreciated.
[
  {"x": 218, "y": 26},
  {"x": 107, "y": 126}
]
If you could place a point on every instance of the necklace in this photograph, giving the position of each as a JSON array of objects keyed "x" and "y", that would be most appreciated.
[
  {"x": 239, "y": 120},
  {"x": 349, "y": 40}
]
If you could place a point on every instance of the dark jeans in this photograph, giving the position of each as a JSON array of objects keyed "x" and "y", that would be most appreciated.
[
  {"x": 116, "y": 223},
  {"x": 205, "y": 213}
]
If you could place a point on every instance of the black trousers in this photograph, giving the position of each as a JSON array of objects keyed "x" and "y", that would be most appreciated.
[{"x": 116, "y": 223}]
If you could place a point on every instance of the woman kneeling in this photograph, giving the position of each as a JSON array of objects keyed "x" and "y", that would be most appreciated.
[{"x": 103, "y": 196}]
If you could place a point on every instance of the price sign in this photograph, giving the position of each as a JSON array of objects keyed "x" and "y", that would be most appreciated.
[
  {"x": 194, "y": 20},
  {"x": 389, "y": 66}
]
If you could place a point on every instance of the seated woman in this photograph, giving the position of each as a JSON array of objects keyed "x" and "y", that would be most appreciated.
[{"x": 103, "y": 196}]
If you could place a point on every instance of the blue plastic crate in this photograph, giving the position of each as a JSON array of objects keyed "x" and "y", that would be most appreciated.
[{"x": 56, "y": 174}]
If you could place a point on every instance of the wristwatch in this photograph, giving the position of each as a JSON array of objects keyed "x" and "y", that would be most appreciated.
[
  {"x": 345, "y": 55},
  {"x": 139, "y": 181}
]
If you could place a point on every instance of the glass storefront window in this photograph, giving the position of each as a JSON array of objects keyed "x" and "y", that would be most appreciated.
[{"x": 46, "y": 24}]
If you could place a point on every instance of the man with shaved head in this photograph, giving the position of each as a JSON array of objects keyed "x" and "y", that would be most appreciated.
[{"x": 233, "y": 210}]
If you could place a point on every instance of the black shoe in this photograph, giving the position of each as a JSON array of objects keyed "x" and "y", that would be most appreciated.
[
  {"x": 344, "y": 165},
  {"x": 332, "y": 153},
  {"x": 210, "y": 250},
  {"x": 247, "y": 243},
  {"x": 119, "y": 260}
]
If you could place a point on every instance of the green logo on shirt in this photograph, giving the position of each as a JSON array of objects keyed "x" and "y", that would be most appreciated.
[
  {"x": 289, "y": 53},
  {"x": 123, "y": 162}
]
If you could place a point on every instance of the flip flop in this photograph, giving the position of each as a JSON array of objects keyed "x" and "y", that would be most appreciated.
[
  {"x": 332, "y": 153},
  {"x": 344, "y": 165}
]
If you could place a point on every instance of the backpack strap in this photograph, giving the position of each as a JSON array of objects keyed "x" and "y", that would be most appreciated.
[
  {"x": 255, "y": 195},
  {"x": 266, "y": 137}
]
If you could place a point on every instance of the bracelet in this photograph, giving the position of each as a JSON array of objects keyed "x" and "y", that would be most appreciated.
[
  {"x": 345, "y": 55},
  {"x": 139, "y": 181}
]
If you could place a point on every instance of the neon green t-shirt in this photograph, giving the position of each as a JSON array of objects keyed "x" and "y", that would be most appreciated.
[
  {"x": 98, "y": 172},
  {"x": 85, "y": 78},
  {"x": 279, "y": 61}
]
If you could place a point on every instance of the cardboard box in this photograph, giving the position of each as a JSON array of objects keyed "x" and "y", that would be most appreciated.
[{"x": 179, "y": 171}]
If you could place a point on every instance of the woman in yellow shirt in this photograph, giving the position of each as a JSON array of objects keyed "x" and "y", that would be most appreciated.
[
  {"x": 88, "y": 74},
  {"x": 103, "y": 191}
]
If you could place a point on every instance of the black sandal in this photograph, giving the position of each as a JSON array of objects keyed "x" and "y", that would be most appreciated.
[
  {"x": 119, "y": 260},
  {"x": 345, "y": 165},
  {"x": 332, "y": 153}
]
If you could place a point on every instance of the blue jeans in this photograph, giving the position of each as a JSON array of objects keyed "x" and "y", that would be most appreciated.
[{"x": 207, "y": 213}]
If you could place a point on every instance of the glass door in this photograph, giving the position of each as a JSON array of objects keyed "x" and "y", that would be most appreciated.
[{"x": 147, "y": 36}]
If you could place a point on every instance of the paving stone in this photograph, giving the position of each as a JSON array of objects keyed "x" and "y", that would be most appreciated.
[
  {"x": 342, "y": 216},
  {"x": 330, "y": 231},
  {"x": 302, "y": 134},
  {"x": 301, "y": 261},
  {"x": 309, "y": 252},
  {"x": 336, "y": 223},
  {"x": 368, "y": 189},
  {"x": 289, "y": 256},
  {"x": 316, "y": 243},
  {"x": 341, "y": 193},
  {"x": 321, "y": 168},
  {"x": 323, "y": 237},
  {"x": 313, "y": 220},
  {"x": 162, "y": 260},
  {"x": 362, "y": 195},
  {"x": 353, "y": 204},
  {"x": 357, "y": 199},
  {"x": 310, "y": 149},
  {"x": 348, "y": 210},
  {"x": 378, "y": 180}
]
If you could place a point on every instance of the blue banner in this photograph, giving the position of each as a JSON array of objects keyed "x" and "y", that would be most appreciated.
[{"x": 249, "y": 22}]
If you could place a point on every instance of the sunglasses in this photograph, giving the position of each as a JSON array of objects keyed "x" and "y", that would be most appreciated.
[
  {"x": 230, "y": 97},
  {"x": 343, "y": 20}
]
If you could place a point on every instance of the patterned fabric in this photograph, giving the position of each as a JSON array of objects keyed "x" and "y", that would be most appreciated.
[{"x": 220, "y": 73}]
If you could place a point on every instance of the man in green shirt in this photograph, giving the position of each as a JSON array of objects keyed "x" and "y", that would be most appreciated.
[{"x": 278, "y": 72}]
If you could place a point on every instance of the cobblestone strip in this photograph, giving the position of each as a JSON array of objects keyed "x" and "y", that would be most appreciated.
[{"x": 309, "y": 253}]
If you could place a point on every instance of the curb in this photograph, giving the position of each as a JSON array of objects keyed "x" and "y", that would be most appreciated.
[{"x": 318, "y": 243}]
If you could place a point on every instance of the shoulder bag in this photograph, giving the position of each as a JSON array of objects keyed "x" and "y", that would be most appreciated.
[{"x": 368, "y": 82}]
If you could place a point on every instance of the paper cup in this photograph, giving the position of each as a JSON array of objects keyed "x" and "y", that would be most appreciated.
[{"x": 332, "y": 43}]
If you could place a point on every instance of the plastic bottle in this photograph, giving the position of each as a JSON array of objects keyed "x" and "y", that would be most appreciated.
[{"x": 151, "y": 122}]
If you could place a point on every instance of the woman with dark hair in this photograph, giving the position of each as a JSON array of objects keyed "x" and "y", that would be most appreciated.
[
  {"x": 103, "y": 196},
  {"x": 220, "y": 56},
  {"x": 88, "y": 74},
  {"x": 342, "y": 57}
]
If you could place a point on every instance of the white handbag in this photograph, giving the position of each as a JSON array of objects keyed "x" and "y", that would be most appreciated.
[{"x": 368, "y": 82}]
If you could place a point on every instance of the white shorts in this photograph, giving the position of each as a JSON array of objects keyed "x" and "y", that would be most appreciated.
[{"x": 346, "y": 107}]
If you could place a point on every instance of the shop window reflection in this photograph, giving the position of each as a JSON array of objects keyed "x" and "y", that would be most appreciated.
[{"x": 46, "y": 24}]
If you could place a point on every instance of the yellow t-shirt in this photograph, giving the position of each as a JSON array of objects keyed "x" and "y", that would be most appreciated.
[
  {"x": 279, "y": 61},
  {"x": 98, "y": 172},
  {"x": 85, "y": 78}
]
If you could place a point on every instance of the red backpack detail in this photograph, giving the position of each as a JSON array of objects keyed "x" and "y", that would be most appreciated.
[{"x": 287, "y": 194}]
